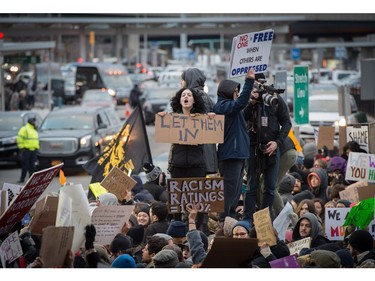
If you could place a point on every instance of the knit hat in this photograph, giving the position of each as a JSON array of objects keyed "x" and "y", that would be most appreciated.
[
  {"x": 346, "y": 258},
  {"x": 152, "y": 172},
  {"x": 361, "y": 240},
  {"x": 136, "y": 233},
  {"x": 177, "y": 229},
  {"x": 165, "y": 236},
  {"x": 120, "y": 243},
  {"x": 287, "y": 184},
  {"x": 296, "y": 176},
  {"x": 229, "y": 222},
  {"x": 108, "y": 199},
  {"x": 124, "y": 261},
  {"x": 259, "y": 76},
  {"x": 346, "y": 203},
  {"x": 325, "y": 259},
  {"x": 244, "y": 224},
  {"x": 133, "y": 220},
  {"x": 309, "y": 150},
  {"x": 138, "y": 186},
  {"x": 165, "y": 259},
  {"x": 302, "y": 195}
]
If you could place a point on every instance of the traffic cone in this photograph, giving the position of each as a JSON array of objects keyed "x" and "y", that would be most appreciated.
[{"x": 128, "y": 110}]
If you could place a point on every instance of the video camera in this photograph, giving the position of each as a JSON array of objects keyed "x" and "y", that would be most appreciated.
[{"x": 267, "y": 92}]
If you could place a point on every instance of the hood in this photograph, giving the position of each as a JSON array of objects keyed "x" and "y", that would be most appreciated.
[
  {"x": 226, "y": 89},
  {"x": 322, "y": 176},
  {"x": 194, "y": 78},
  {"x": 337, "y": 163},
  {"x": 315, "y": 226}
]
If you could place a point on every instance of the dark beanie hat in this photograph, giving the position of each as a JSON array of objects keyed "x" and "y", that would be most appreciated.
[
  {"x": 120, "y": 243},
  {"x": 152, "y": 172},
  {"x": 177, "y": 229},
  {"x": 346, "y": 258},
  {"x": 136, "y": 233},
  {"x": 259, "y": 76},
  {"x": 361, "y": 240},
  {"x": 346, "y": 203},
  {"x": 287, "y": 184},
  {"x": 306, "y": 194},
  {"x": 297, "y": 176}
]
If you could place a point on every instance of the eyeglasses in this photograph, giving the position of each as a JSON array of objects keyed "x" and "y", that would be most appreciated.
[{"x": 239, "y": 234}]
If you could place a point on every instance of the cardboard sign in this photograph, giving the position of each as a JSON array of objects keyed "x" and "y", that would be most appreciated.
[
  {"x": 35, "y": 186},
  {"x": 208, "y": 193},
  {"x": 334, "y": 223},
  {"x": 230, "y": 252},
  {"x": 326, "y": 137},
  {"x": 56, "y": 241},
  {"x": 184, "y": 129},
  {"x": 285, "y": 262},
  {"x": 365, "y": 192},
  {"x": 250, "y": 50},
  {"x": 361, "y": 214},
  {"x": 264, "y": 228},
  {"x": 3, "y": 201},
  {"x": 10, "y": 249},
  {"x": 108, "y": 221},
  {"x": 360, "y": 166},
  {"x": 350, "y": 192},
  {"x": 296, "y": 246},
  {"x": 118, "y": 183},
  {"x": 45, "y": 214}
]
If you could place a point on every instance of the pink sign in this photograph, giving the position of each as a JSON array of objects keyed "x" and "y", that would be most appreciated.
[{"x": 35, "y": 186}]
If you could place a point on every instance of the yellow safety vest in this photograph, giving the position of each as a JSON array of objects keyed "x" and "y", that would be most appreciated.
[
  {"x": 295, "y": 141},
  {"x": 28, "y": 138}
]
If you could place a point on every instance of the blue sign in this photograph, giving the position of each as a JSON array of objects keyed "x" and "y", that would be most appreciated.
[{"x": 296, "y": 54}]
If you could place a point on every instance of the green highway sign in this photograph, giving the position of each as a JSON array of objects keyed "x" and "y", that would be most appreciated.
[
  {"x": 301, "y": 95},
  {"x": 21, "y": 59}
]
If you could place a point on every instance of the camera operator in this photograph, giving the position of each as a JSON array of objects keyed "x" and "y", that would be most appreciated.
[{"x": 268, "y": 123}]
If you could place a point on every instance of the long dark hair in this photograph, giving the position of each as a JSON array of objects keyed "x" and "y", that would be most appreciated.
[{"x": 198, "y": 106}]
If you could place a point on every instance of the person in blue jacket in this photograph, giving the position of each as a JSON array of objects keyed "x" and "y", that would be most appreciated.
[{"x": 233, "y": 153}]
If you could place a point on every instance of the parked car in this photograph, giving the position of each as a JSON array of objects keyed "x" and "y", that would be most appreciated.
[
  {"x": 100, "y": 97},
  {"x": 74, "y": 135},
  {"x": 10, "y": 123},
  {"x": 155, "y": 100}
]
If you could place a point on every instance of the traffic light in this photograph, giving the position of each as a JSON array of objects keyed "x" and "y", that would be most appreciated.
[{"x": 92, "y": 38}]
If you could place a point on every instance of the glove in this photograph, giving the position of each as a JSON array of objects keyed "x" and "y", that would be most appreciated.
[
  {"x": 265, "y": 251},
  {"x": 90, "y": 236}
]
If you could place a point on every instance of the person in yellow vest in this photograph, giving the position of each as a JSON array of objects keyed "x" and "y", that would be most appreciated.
[{"x": 28, "y": 144}]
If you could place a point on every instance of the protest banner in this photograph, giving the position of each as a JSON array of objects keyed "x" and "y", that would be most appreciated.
[
  {"x": 207, "y": 193},
  {"x": 264, "y": 228},
  {"x": 10, "y": 249},
  {"x": 109, "y": 220},
  {"x": 282, "y": 221},
  {"x": 118, "y": 183},
  {"x": 193, "y": 129},
  {"x": 13, "y": 190},
  {"x": 326, "y": 137},
  {"x": 35, "y": 186},
  {"x": 334, "y": 223},
  {"x": 360, "y": 166},
  {"x": 360, "y": 134},
  {"x": 45, "y": 214},
  {"x": 350, "y": 192},
  {"x": 56, "y": 242},
  {"x": 97, "y": 189},
  {"x": 230, "y": 252},
  {"x": 296, "y": 246},
  {"x": 250, "y": 50},
  {"x": 361, "y": 214}
]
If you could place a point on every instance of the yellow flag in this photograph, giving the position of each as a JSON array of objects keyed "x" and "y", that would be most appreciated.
[{"x": 62, "y": 178}]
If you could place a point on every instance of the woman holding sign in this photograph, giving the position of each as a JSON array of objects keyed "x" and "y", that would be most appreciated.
[{"x": 185, "y": 160}]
